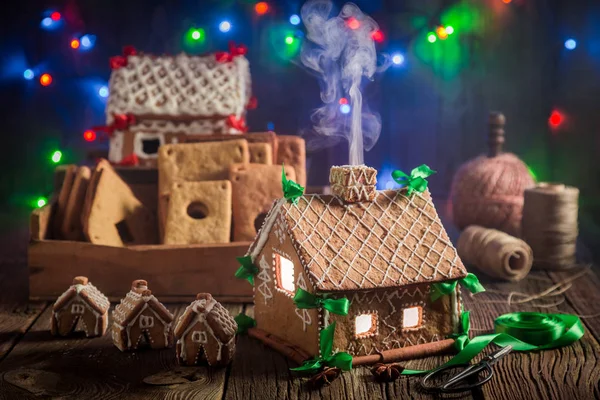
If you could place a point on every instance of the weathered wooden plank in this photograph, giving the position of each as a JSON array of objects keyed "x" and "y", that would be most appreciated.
[
  {"x": 258, "y": 372},
  {"x": 566, "y": 373},
  {"x": 15, "y": 320},
  {"x": 94, "y": 368}
]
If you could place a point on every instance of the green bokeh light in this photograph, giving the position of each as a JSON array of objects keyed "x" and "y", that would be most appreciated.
[
  {"x": 289, "y": 40},
  {"x": 41, "y": 202},
  {"x": 283, "y": 42},
  {"x": 194, "y": 39},
  {"x": 56, "y": 156},
  {"x": 431, "y": 37}
]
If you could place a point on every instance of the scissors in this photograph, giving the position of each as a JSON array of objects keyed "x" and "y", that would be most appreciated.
[{"x": 450, "y": 386}]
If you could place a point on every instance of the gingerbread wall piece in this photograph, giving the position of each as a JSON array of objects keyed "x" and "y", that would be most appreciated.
[
  {"x": 83, "y": 305},
  {"x": 253, "y": 137},
  {"x": 112, "y": 215},
  {"x": 63, "y": 199},
  {"x": 141, "y": 320},
  {"x": 255, "y": 187},
  {"x": 199, "y": 212},
  {"x": 205, "y": 332},
  {"x": 71, "y": 225},
  {"x": 292, "y": 151},
  {"x": 382, "y": 255},
  {"x": 260, "y": 153}
]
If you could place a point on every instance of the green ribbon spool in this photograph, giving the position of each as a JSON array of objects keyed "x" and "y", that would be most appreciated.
[{"x": 524, "y": 331}]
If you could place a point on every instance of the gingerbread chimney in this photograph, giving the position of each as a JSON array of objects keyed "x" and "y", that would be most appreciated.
[
  {"x": 353, "y": 183},
  {"x": 140, "y": 286},
  {"x": 80, "y": 280}
]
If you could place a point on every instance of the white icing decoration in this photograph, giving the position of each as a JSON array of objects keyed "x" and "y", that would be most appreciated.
[
  {"x": 115, "y": 149},
  {"x": 263, "y": 234},
  {"x": 303, "y": 314},
  {"x": 264, "y": 275}
]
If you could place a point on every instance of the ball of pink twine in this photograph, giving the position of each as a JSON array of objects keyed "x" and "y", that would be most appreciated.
[{"x": 488, "y": 191}]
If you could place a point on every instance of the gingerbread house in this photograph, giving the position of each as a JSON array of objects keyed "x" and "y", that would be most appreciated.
[
  {"x": 140, "y": 319},
  {"x": 205, "y": 331},
  {"x": 381, "y": 250},
  {"x": 82, "y": 303},
  {"x": 155, "y": 99}
]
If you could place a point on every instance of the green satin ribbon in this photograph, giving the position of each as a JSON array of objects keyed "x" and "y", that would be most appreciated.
[
  {"x": 244, "y": 323},
  {"x": 524, "y": 331},
  {"x": 304, "y": 299},
  {"x": 247, "y": 270},
  {"x": 340, "y": 360},
  {"x": 291, "y": 190},
  {"x": 416, "y": 181},
  {"x": 470, "y": 282},
  {"x": 462, "y": 338}
]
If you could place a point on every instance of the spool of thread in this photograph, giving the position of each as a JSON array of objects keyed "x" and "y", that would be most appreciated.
[
  {"x": 488, "y": 190},
  {"x": 549, "y": 224},
  {"x": 495, "y": 253}
]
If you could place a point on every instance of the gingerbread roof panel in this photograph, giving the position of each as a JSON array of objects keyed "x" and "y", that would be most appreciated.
[
  {"x": 217, "y": 317},
  {"x": 392, "y": 241},
  {"x": 179, "y": 86},
  {"x": 88, "y": 293}
]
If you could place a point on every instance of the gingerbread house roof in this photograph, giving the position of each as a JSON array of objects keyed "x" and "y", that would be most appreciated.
[
  {"x": 393, "y": 241},
  {"x": 86, "y": 292},
  {"x": 176, "y": 87},
  {"x": 217, "y": 317},
  {"x": 137, "y": 301}
]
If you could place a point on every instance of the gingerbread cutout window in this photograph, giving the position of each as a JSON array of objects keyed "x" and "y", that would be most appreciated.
[
  {"x": 77, "y": 309},
  {"x": 365, "y": 325},
  {"x": 412, "y": 317},
  {"x": 199, "y": 337},
  {"x": 284, "y": 270},
  {"x": 146, "y": 322}
]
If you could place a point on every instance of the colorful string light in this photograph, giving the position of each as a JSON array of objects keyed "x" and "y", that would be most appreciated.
[
  {"x": 46, "y": 79},
  {"x": 397, "y": 59},
  {"x": 41, "y": 202},
  {"x": 75, "y": 43},
  {"x": 556, "y": 118},
  {"x": 431, "y": 37},
  {"x": 103, "y": 91},
  {"x": 261, "y": 8},
  {"x": 225, "y": 26},
  {"x": 353, "y": 23},
  {"x": 28, "y": 74},
  {"x": 449, "y": 29},
  {"x": 55, "y": 16},
  {"x": 89, "y": 136},
  {"x": 345, "y": 108},
  {"x": 441, "y": 32},
  {"x": 289, "y": 40},
  {"x": 87, "y": 42},
  {"x": 570, "y": 44},
  {"x": 343, "y": 101},
  {"x": 378, "y": 36},
  {"x": 295, "y": 19},
  {"x": 56, "y": 156}
]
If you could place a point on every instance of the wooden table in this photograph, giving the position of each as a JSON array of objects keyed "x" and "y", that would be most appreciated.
[{"x": 34, "y": 365}]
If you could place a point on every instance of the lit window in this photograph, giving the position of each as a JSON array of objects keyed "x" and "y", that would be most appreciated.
[
  {"x": 285, "y": 274},
  {"x": 411, "y": 317},
  {"x": 365, "y": 325}
]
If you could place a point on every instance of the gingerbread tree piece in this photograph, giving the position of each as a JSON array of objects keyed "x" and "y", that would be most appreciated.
[
  {"x": 205, "y": 332},
  {"x": 82, "y": 304},
  {"x": 140, "y": 319}
]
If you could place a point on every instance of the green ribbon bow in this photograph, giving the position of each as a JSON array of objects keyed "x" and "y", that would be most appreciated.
[
  {"x": 340, "y": 360},
  {"x": 304, "y": 299},
  {"x": 462, "y": 339},
  {"x": 524, "y": 331},
  {"x": 291, "y": 190},
  {"x": 244, "y": 323},
  {"x": 470, "y": 282},
  {"x": 247, "y": 270},
  {"x": 416, "y": 180}
]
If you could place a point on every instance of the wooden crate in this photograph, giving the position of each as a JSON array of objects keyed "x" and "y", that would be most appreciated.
[{"x": 175, "y": 273}]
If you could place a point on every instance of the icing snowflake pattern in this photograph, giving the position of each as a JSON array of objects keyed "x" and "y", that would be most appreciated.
[{"x": 265, "y": 277}]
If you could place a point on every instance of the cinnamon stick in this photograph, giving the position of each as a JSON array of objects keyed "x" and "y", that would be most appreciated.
[
  {"x": 289, "y": 350},
  {"x": 405, "y": 353}
]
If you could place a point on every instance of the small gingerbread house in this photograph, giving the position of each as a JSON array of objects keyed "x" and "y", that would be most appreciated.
[
  {"x": 205, "y": 331},
  {"x": 382, "y": 250},
  {"x": 82, "y": 303},
  {"x": 140, "y": 319},
  {"x": 154, "y": 98}
]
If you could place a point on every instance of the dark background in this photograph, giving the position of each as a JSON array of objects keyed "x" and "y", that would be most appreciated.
[{"x": 506, "y": 57}]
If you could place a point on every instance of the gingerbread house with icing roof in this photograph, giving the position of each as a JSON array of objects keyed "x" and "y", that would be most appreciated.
[
  {"x": 205, "y": 332},
  {"x": 81, "y": 304},
  {"x": 382, "y": 250},
  {"x": 140, "y": 319},
  {"x": 153, "y": 100}
]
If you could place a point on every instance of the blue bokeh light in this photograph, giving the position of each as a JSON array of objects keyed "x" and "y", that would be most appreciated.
[
  {"x": 570, "y": 44},
  {"x": 270, "y": 126},
  {"x": 225, "y": 26},
  {"x": 28, "y": 74},
  {"x": 295, "y": 19},
  {"x": 87, "y": 42},
  {"x": 345, "y": 108},
  {"x": 103, "y": 91},
  {"x": 398, "y": 59}
]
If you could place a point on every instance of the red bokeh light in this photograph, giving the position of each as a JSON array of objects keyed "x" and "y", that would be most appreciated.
[
  {"x": 75, "y": 43},
  {"x": 556, "y": 118},
  {"x": 261, "y": 8},
  {"x": 506, "y": 1},
  {"x": 45, "y": 79},
  {"x": 89, "y": 136},
  {"x": 353, "y": 23},
  {"x": 55, "y": 16},
  {"x": 377, "y": 36},
  {"x": 343, "y": 100}
]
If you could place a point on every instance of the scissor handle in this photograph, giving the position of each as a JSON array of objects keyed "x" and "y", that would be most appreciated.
[{"x": 448, "y": 386}]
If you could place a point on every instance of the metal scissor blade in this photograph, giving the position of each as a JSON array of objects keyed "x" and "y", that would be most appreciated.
[
  {"x": 498, "y": 355},
  {"x": 464, "y": 374}
]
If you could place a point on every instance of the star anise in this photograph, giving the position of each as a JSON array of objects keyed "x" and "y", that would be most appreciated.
[
  {"x": 386, "y": 372},
  {"x": 324, "y": 377}
]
